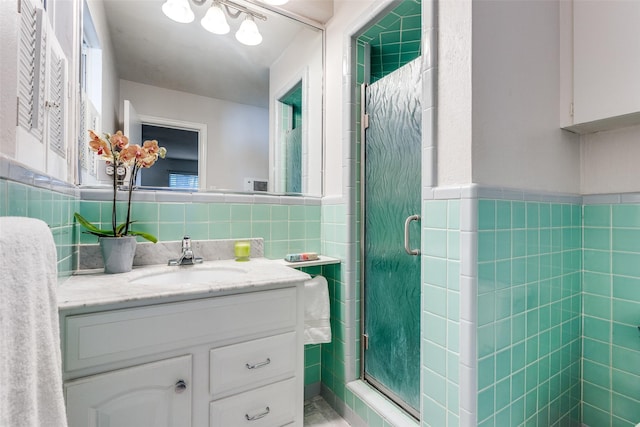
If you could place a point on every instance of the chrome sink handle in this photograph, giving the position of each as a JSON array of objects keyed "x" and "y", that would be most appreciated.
[
  {"x": 187, "y": 257},
  {"x": 406, "y": 235}
]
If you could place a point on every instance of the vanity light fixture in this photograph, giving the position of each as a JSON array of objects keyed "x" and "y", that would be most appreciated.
[
  {"x": 215, "y": 20},
  {"x": 275, "y": 2},
  {"x": 178, "y": 10},
  {"x": 248, "y": 32}
]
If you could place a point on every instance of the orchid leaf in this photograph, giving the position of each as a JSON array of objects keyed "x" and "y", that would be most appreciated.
[
  {"x": 101, "y": 233},
  {"x": 120, "y": 228},
  {"x": 144, "y": 235},
  {"x": 92, "y": 228}
]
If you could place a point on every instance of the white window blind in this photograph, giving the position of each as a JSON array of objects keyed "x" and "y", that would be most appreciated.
[{"x": 183, "y": 180}]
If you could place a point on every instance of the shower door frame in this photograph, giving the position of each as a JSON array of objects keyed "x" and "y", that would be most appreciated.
[{"x": 364, "y": 119}]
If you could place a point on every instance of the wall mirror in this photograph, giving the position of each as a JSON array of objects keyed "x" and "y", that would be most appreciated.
[{"x": 233, "y": 117}]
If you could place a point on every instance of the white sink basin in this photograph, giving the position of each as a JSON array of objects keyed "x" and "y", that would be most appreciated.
[{"x": 187, "y": 275}]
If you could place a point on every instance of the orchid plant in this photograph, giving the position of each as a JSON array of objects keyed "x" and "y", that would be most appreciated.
[{"x": 116, "y": 150}]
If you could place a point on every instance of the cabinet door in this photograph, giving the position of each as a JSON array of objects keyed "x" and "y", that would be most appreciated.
[
  {"x": 152, "y": 395},
  {"x": 606, "y": 65}
]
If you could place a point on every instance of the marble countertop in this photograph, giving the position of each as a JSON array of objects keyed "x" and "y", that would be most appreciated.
[{"x": 97, "y": 289}]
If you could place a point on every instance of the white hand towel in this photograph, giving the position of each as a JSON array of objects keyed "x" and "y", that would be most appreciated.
[
  {"x": 30, "y": 362},
  {"x": 317, "y": 327}
]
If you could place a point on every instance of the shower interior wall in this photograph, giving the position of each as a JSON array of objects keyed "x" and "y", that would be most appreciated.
[{"x": 393, "y": 41}]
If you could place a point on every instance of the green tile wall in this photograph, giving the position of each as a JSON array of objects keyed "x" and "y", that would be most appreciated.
[
  {"x": 611, "y": 308},
  {"x": 334, "y": 237},
  {"x": 294, "y": 99},
  {"x": 312, "y": 363},
  {"x": 312, "y": 352},
  {"x": 441, "y": 312},
  {"x": 529, "y": 313},
  {"x": 52, "y": 207},
  {"x": 284, "y": 228},
  {"x": 394, "y": 39}
]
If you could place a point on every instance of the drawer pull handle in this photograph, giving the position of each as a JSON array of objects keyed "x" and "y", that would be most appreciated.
[
  {"x": 258, "y": 365},
  {"x": 180, "y": 387},
  {"x": 258, "y": 416}
]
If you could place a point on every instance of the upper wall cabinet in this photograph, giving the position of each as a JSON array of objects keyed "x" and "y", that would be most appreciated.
[
  {"x": 600, "y": 50},
  {"x": 37, "y": 110}
]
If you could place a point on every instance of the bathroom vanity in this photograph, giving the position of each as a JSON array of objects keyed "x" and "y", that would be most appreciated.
[{"x": 221, "y": 352}]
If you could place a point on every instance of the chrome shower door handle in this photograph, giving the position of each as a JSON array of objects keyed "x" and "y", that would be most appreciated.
[{"x": 406, "y": 235}]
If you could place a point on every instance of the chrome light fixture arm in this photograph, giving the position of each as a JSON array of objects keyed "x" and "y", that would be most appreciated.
[{"x": 239, "y": 9}]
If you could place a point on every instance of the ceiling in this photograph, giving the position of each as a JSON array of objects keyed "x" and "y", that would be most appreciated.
[{"x": 152, "y": 49}]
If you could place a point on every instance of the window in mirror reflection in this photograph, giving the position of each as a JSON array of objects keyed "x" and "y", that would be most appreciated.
[
  {"x": 291, "y": 139},
  {"x": 183, "y": 180},
  {"x": 180, "y": 168},
  {"x": 90, "y": 97}
]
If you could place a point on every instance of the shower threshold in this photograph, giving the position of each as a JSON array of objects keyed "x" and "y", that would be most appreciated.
[{"x": 381, "y": 404}]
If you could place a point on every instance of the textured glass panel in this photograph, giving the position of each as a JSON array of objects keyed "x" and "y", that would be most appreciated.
[
  {"x": 294, "y": 161},
  {"x": 392, "y": 193}
]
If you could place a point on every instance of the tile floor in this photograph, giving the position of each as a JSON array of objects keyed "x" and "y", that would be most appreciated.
[{"x": 318, "y": 413}]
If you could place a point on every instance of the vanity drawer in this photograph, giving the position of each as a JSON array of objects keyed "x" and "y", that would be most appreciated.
[
  {"x": 270, "y": 406},
  {"x": 251, "y": 364},
  {"x": 111, "y": 336}
]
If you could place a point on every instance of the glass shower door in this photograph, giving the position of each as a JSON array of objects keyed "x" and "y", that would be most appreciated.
[{"x": 391, "y": 189}]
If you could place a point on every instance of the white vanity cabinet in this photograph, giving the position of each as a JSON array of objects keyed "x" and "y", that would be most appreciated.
[
  {"x": 152, "y": 394},
  {"x": 600, "y": 53},
  {"x": 221, "y": 361}
]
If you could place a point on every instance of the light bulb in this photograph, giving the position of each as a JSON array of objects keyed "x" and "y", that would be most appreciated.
[
  {"x": 214, "y": 21},
  {"x": 248, "y": 32},
  {"x": 178, "y": 10}
]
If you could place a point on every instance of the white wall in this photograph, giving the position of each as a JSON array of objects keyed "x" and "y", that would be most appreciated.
[
  {"x": 516, "y": 137},
  {"x": 517, "y": 141},
  {"x": 238, "y": 144},
  {"x": 454, "y": 133},
  {"x": 610, "y": 161},
  {"x": 345, "y": 12},
  {"x": 110, "y": 81},
  {"x": 8, "y": 77},
  {"x": 302, "y": 57}
]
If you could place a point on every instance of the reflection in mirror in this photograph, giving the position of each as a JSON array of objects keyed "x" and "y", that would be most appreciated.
[
  {"x": 180, "y": 168},
  {"x": 257, "y": 110}
]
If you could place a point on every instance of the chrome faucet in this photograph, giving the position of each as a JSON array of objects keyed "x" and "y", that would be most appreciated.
[{"x": 186, "y": 258}]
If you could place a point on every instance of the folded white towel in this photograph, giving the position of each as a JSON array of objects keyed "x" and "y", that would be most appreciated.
[
  {"x": 317, "y": 328},
  {"x": 30, "y": 363}
]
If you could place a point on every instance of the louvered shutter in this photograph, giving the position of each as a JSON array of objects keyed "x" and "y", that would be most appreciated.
[
  {"x": 90, "y": 119},
  {"x": 41, "y": 72},
  {"x": 32, "y": 66},
  {"x": 26, "y": 65},
  {"x": 56, "y": 101},
  {"x": 83, "y": 153}
]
